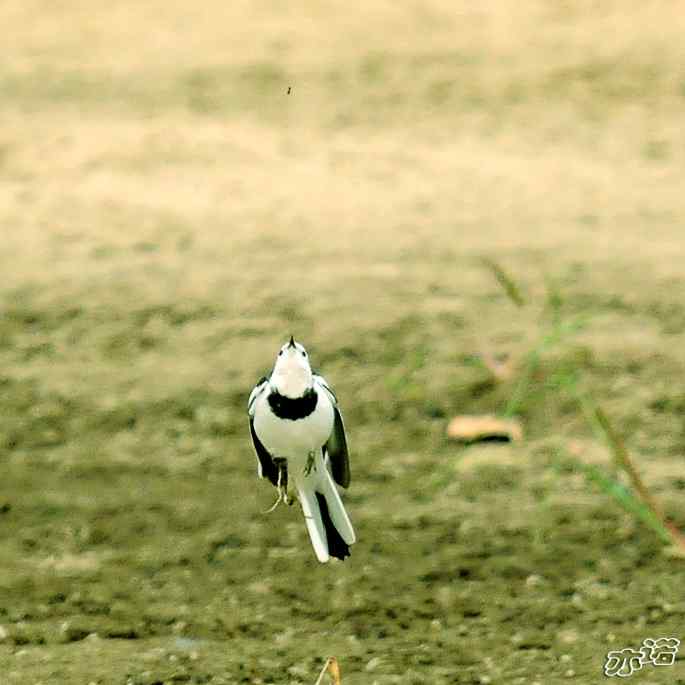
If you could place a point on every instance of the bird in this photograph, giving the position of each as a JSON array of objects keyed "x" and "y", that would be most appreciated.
[{"x": 298, "y": 433}]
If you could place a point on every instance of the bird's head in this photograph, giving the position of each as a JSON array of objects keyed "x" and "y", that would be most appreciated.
[{"x": 292, "y": 375}]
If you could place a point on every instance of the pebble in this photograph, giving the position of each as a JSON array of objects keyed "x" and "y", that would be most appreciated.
[
  {"x": 373, "y": 664},
  {"x": 568, "y": 636}
]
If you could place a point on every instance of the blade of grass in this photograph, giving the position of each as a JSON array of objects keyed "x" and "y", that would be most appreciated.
[
  {"x": 508, "y": 284},
  {"x": 625, "y": 498},
  {"x": 623, "y": 460},
  {"x": 649, "y": 510},
  {"x": 560, "y": 331},
  {"x": 604, "y": 429},
  {"x": 553, "y": 298},
  {"x": 522, "y": 386}
]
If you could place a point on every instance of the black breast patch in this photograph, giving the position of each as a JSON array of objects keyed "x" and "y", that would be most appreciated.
[{"x": 293, "y": 409}]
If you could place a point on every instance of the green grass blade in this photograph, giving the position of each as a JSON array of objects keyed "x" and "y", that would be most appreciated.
[
  {"x": 508, "y": 284},
  {"x": 626, "y": 499}
]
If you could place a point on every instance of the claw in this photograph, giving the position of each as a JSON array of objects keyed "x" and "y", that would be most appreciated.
[
  {"x": 282, "y": 486},
  {"x": 310, "y": 464},
  {"x": 275, "y": 504}
]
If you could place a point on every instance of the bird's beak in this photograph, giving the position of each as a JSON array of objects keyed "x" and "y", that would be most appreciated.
[{"x": 292, "y": 342}]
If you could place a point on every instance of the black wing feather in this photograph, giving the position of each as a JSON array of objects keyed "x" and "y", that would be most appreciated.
[
  {"x": 269, "y": 469},
  {"x": 336, "y": 448}
]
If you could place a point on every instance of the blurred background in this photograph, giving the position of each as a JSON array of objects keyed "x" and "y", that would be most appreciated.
[{"x": 185, "y": 185}]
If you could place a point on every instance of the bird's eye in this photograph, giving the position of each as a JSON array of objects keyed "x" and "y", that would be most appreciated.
[
  {"x": 280, "y": 353},
  {"x": 304, "y": 354}
]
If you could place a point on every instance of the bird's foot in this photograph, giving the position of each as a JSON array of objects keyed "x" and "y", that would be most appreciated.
[
  {"x": 279, "y": 499},
  {"x": 310, "y": 465},
  {"x": 281, "y": 485}
]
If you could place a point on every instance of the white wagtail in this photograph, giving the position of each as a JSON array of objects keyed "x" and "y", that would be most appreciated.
[{"x": 297, "y": 429}]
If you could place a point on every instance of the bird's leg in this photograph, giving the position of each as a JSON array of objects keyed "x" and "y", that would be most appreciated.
[
  {"x": 281, "y": 485},
  {"x": 283, "y": 482},
  {"x": 310, "y": 463}
]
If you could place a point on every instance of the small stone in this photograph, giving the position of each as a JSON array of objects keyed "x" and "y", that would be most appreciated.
[
  {"x": 568, "y": 636},
  {"x": 298, "y": 670},
  {"x": 674, "y": 552},
  {"x": 179, "y": 627},
  {"x": 565, "y": 658},
  {"x": 373, "y": 664},
  {"x": 570, "y": 673},
  {"x": 534, "y": 580}
]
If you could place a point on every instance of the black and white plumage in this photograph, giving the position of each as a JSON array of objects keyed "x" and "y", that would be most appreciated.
[{"x": 298, "y": 434}]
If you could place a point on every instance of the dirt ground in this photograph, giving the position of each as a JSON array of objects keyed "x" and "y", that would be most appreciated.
[{"x": 170, "y": 214}]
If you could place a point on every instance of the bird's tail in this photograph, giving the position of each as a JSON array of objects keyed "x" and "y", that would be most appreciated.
[{"x": 328, "y": 525}]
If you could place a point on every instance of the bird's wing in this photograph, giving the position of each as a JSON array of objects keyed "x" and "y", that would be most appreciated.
[
  {"x": 258, "y": 389},
  {"x": 265, "y": 463},
  {"x": 336, "y": 446}
]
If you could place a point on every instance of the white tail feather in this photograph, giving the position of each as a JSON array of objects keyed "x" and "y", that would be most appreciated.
[
  {"x": 335, "y": 506},
  {"x": 312, "y": 517},
  {"x": 320, "y": 480}
]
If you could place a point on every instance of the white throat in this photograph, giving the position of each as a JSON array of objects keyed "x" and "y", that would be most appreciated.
[
  {"x": 292, "y": 375},
  {"x": 291, "y": 383}
]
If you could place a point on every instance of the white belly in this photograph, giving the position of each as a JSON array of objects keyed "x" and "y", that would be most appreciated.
[{"x": 294, "y": 440}]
